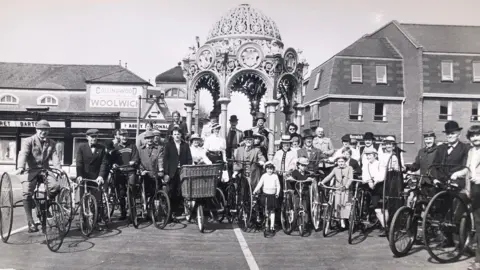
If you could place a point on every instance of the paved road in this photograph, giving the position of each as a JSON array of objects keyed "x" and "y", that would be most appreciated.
[{"x": 181, "y": 246}]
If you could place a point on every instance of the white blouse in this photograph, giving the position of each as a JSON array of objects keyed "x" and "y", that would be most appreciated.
[
  {"x": 199, "y": 155},
  {"x": 215, "y": 143},
  {"x": 373, "y": 171},
  {"x": 270, "y": 184},
  {"x": 290, "y": 161}
]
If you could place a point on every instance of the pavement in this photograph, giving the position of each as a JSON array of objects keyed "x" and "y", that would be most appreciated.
[{"x": 222, "y": 246}]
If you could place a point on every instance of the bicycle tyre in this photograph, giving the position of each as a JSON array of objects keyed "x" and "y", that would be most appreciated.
[
  {"x": 200, "y": 218},
  {"x": 132, "y": 207},
  {"x": 428, "y": 212},
  {"x": 288, "y": 214},
  {"x": 467, "y": 234},
  {"x": 219, "y": 203},
  {"x": 6, "y": 207},
  {"x": 64, "y": 198},
  {"x": 231, "y": 207},
  {"x": 162, "y": 211},
  {"x": 352, "y": 220},
  {"x": 411, "y": 225},
  {"x": 107, "y": 218},
  {"x": 55, "y": 222},
  {"x": 246, "y": 206},
  {"x": 88, "y": 214},
  {"x": 314, "y": 207},
  {"x": 301, "y": 223},
  {"x": 327, "y": 220},
  {"x": 112, "y": 199}
]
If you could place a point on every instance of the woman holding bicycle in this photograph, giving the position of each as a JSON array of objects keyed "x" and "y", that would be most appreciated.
[{"x": 342, "y": 176}]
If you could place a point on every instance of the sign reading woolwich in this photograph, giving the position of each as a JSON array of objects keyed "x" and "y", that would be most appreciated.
[{"x": 110, "y": 97}]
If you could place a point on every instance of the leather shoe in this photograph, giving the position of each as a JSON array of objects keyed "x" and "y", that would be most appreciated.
[{"x": 32, "y": 228}]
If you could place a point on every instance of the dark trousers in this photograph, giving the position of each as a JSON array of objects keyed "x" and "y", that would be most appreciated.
[
  {"x": 121, "y": 181},
  {"x": 174, "y": 191},
  {"x": 475, "y": 198}
]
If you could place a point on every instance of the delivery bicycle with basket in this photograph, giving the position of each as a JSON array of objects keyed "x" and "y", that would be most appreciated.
[{"x": 199, "y": 187}]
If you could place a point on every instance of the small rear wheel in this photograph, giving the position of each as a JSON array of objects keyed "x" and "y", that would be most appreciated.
[
  {"x": 54, "y": 226},
  {"x": 88, "y": 214},
  {"x": 6, "y": 207},
  {"x": 403, "y": 231}
]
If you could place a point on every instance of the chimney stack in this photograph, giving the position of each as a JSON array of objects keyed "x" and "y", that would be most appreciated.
[
  {"x": 120, "y": 62},
  {"x": 126, "y": 65}
]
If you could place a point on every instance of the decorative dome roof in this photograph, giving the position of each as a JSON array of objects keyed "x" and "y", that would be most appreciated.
[{"x": 244, "y": 22}]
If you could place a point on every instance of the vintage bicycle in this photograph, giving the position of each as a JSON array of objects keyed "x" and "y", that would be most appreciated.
[
  {"x": 158, "y": 206},
  {"x": 301, "y": 213},
  {"x": 329, "y": 212},
  {"x": 358, "y": 220},
  {"x": 49, "y": 212}
]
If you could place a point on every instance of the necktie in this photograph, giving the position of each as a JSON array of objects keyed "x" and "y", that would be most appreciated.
[{"x": 92, "y": 147}]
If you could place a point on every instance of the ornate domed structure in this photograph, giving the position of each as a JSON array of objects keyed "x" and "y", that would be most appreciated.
[
  {"x": 244, "y": 22},
  {"x": 244, "y": 53}
]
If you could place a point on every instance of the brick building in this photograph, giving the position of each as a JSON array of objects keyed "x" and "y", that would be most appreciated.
[
  {"x": 73, "y": 98},
  {"x": 401, "y": 80}
]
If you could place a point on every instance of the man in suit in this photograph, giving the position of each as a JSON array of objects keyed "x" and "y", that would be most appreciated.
[
  {"x": 151, "y": 160},
  {"x": 92, "y": 162},
  {"x": 453, "y": 154},
  {"x": 425, "y": 156},
  {"x": 234, "y": 137},
  {"x": 252, "y": 156},
  {"x": 176, "y": 154},
  {"x": 36, "y": 152},
  {"x": 177, "y": 122},
  {"x": 313, "y": 154},
  {"x": 141, "y": 137}
]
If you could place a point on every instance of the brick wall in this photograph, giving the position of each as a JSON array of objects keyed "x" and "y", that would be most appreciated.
[
  {"x": 412, "y": 75},
  {"x": 461, "y": 112},
  {"x": 340, "y": 124},
  {"x": 462, "y": 71}
]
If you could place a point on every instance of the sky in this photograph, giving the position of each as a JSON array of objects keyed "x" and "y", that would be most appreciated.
[{"x": 152, "y": 36}]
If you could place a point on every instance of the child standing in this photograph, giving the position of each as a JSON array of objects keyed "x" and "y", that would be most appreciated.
[
  {"x": 343, "y": 175},
  {"x": 271, "y": 189}
]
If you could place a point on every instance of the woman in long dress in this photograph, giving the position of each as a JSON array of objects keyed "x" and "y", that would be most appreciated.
[
  {"x": 199, "y": 155},
  {"x": 342, "y": 176}
]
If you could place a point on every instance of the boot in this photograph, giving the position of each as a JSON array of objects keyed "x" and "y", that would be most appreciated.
[{"x": 27, "y": 205}]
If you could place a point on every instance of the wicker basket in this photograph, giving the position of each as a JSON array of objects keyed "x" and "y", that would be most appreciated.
[{"x": 200, "y": 181}]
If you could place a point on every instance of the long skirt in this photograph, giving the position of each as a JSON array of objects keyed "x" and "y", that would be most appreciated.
[
  {"x": 215, "y": 156},
  {"x": 342, "y": 204},
  {"x": 393, "y": 192}
]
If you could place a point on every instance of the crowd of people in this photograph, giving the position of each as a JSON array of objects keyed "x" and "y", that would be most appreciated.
[{"x": 301, "y": 155}]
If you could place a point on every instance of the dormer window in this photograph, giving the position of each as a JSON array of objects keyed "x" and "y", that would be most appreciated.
[
  {"x": 8, "y": 99},
  {"x": 47, "y": 100}
]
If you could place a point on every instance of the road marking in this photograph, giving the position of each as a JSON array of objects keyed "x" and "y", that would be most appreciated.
[
  {"x": 19, "y": 230},
  {"x": 246, "y": 251}
]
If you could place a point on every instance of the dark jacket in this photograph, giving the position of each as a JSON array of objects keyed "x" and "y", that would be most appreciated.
[
  {"x": 123, "y": 154},
  {"x": 91, "y": 165},
  {"x": 357, "y": 170},
  {"x": 183, "y": 127},
  {"x": 453, "y": 161},
  {"x": 423, "y": 160},
  {"x": 172, "y": 160},
  {"x": 313, "y": 160}
]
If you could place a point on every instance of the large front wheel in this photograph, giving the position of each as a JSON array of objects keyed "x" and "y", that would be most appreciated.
[
  {"x": 160, "y": 209},
  {"x": 441, "y": 226},
  {"x": 88, "y": 214},
  {"x": 403, "y": 231},
  {"x": 6, "y": 207}
]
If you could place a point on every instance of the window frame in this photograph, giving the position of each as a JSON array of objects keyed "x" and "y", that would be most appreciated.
[
  {"x": 304, "y": 90},
  {"x": 358, "y": 115},
  {"x": 9, "y": 139},
  {"x": 169, "y": 92},
  {"x": 476, "y": 79},
  {"x": 475, "y": 106},
  {"x": 445, "y": 78},
  {"x": 441, "y": 117},
  {"x": 9, "y": 103},
  {"x": 384, "y": 113},
  {"x": 384, "y": 79},
  {"x": 357, "y": 79},
  {"x": 318, "y": 77},
  {"x": 39, "y": 100}
]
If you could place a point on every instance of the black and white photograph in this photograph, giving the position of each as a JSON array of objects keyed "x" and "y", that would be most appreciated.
[{"x": 239, "y": 134}]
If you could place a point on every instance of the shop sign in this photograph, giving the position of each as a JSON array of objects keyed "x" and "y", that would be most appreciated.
[
  {"x": 114, "y": 96},
  {"x": 378, "y": 138},
  {"x": 159, "y": 126},
  {"x": 8, "y": 123}
]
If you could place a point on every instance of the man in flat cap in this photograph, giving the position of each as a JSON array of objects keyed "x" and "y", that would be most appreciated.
[
  {"x": 151, "y": 161},
  {"x": 36, "y": 152},
  {"x": 92, "y": 162},
  {"x": 140, "y": 140}
]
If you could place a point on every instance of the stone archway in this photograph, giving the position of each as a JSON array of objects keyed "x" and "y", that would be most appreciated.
[{"x": 253, "y": 84}]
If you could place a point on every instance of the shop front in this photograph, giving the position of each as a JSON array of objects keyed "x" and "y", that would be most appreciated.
[{"x": 67, "y": 130}]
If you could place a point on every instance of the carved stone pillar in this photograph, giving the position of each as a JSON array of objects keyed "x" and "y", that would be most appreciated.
[
  {"x": 223, "y": 115},
  {"x": 298, "y": 115},
  {"x": 271, "y": 106},
  {"x": 189, "y": 105}
]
